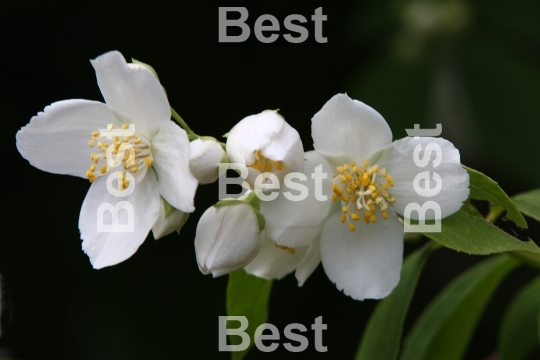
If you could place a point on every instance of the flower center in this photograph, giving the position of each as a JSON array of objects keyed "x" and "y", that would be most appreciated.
[
  {"x": 361, "y": 190},
  {"x": 263, "y": 164},
  {"x": 119, "y": 147}
]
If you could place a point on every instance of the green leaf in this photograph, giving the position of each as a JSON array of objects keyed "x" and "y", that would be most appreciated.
[
  {"x": 464, "y": 231},
  {"x": 443, "y": 330},
  {"x": 538, "y": 329},
  {"x": 382, "y": 336},
  {"x": 248, "y": 296},
  {"x": 484, "y": 188},
  {"x": 529, "y": 203},
  {"x": 517, "y": 336}
]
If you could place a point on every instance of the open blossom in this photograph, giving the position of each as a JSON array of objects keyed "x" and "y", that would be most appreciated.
[
  {"x": 371, "y": 179},
  {"x": 129, "y": 141},
  {"x": 265, "y": 142}
]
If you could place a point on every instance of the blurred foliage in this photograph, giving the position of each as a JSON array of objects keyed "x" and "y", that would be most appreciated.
[{"x": 473, "y": 66}]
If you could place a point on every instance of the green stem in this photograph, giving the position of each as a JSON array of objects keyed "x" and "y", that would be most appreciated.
[
  {"x": 191, "y": 135},
  {"x": 494, "y": 213}
]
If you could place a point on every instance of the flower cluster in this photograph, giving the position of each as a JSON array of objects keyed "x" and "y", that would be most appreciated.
[{"x": 144, "y": 170}]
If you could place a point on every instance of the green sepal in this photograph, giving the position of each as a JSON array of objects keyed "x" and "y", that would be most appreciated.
[
  {"x": 248, "y": 296},
  {"x": 529, "y": 203},
  {"x": 444, "y": 329},
  {"x": 275, "y": 112},
  {"x": 251, "y": 199},
  {"x": 169, "y": 209},
  {"x": 517, "y": 335},
  {"x": 382, "y": 337},
  {"x": 148, "y": 67},
  {"x": 484, "y": 188}
]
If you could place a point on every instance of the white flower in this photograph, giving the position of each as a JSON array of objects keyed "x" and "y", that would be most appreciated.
[
  {"x": 206, "y": 154},
  {"x": 228, "y": 237},
  {"x": 371, "y": 180},
  {"x": 265, "y": 142},
  {"x": 73, "y": 137}
]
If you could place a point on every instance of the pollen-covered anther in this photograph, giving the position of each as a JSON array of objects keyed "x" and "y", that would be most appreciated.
[
  {"x": 366, "y": 190},
  {"x": 264, "y": 164},
  {"x": 148, "y": 161},
  {"x": 128, "y": 151},
  {"x": 289, "y": 249}
]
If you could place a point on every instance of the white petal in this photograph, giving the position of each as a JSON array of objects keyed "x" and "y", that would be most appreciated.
[
  {"x": 56, "y": 140},
  {"x": 297, "y": 223},
  {"x": 398, "y": 159},
  {"x": 112, "y": 246},
  {"x": 349, "y": 128},
  {"x": 167, "y": 224},
  {"x": 205, "y": 155},
  {"x": 170, "y": 149},
  {"x": 366, "y": 263},
  {"x": 132, "y": 92},
  {"x": 309, "y": 262},
  {"x": 269, "y": 133},
  {"x": 227, "y": 239},
  {"x": 273, "y": 262}
]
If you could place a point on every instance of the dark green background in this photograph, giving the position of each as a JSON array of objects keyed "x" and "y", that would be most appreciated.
[{"x": 481, "y": 81}]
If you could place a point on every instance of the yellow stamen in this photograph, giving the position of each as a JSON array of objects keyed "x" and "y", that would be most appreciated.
[{"x": 366, "y": 191}]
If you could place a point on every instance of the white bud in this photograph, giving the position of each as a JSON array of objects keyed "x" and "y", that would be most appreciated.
[
  {"x": 206, "y": 153},
  {"x": 269, "y": 135},
  {"x": 169, "y": 220},
  {"x": 227, "y": 238}
]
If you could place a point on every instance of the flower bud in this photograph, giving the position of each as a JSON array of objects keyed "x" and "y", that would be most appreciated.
[
  {"x": 169, "y": 220},
  {"x": 265, "y": 142},
  {"x": 228, "y": 237},
  {"x": 206, "y": 153}
]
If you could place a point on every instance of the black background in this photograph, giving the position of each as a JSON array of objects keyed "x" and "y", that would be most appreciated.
[{"x": 157, "y": 304}]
